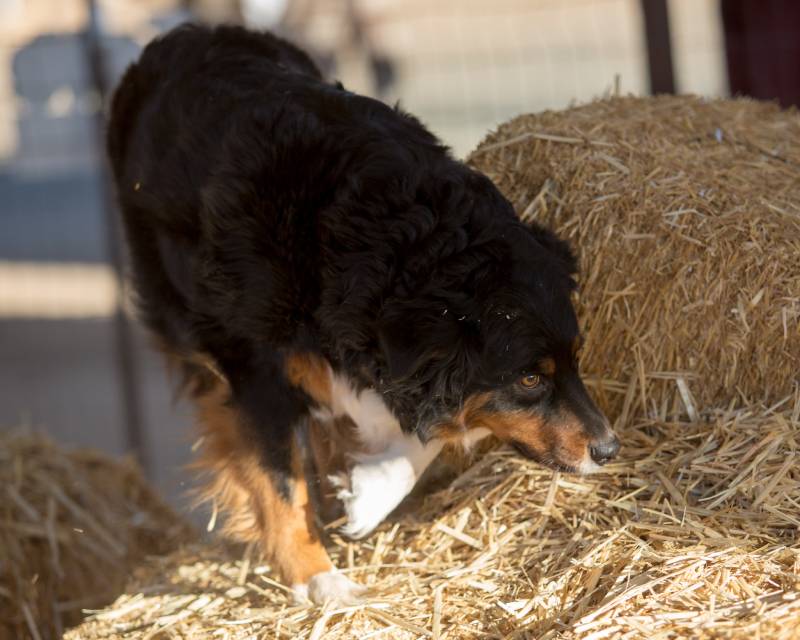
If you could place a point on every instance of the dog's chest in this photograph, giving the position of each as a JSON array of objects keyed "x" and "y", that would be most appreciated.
[{"x": 377, "y": 427}]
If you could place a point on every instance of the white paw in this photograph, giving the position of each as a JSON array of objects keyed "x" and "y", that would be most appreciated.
[
  {"x": 377, "y": 484},
  {"x": 332, "y": 587}
]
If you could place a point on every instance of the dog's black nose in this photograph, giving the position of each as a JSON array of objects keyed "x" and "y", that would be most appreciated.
[{"x": 604, "y": 451}]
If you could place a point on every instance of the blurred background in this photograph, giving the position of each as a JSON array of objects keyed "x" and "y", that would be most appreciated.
[{"x": 74, "y": 362}]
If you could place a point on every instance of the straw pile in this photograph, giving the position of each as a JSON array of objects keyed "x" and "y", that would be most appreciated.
[
  {"x": 72, "y": 524},
  {"x": 685, "y": 213},
  {"x": 694, "y": 533}
]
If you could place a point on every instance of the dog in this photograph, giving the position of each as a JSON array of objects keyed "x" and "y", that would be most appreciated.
[{"x": 315, "y": 260}]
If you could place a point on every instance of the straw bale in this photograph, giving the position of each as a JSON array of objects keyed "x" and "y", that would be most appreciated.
[
  {"x": 72, "y": 524},
  {"x": 686, "y": 216},
  {"x": 695, "y": 532}
]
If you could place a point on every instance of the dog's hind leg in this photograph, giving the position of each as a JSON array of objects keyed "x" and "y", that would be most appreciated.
[{"x": 265, "y": 496}]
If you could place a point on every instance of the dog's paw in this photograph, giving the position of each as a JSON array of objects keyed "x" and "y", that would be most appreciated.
[
  {"x": 330, "y": 587},
  {"x": 376, "y": 485}
]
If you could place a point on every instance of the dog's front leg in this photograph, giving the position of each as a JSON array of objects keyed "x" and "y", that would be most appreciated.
[
  {"x": 252, "y": 449},
  {"x": 377, "y": 483}
]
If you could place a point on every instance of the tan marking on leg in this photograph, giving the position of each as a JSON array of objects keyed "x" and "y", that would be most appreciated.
[
  {"x": 312, "y": 374},
  {"x": 246, "y": 493},
  {"x": 196, "y": 372}
]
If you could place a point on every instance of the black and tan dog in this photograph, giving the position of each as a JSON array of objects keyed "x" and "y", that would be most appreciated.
[{"x": 307, "y": 254}]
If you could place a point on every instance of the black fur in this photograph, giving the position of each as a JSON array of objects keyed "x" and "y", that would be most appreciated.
[{"x": 268, "y": 211}]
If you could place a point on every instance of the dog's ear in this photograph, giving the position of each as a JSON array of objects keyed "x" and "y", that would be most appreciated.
[
  {"x": 412, "y": 337},
  {"x": 400, "y": 346},
  {"x": 403, "y": 344},
  {"x": 554, "y": 245}
]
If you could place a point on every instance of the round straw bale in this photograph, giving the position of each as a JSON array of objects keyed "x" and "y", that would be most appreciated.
[
  {"x": 72, "y": 523},
  {"x": 686, "y": 216}
]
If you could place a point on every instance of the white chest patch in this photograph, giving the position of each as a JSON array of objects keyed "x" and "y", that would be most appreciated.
[
  {"x": 390, "y": 463},
  {"x": 387, "y": 466},
  {"x": 377, "y": 426}
]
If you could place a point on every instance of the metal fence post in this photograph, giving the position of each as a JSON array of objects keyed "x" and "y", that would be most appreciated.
[
  {"x": 127, "y": 365},
  {"x": 659, "y": 46}
]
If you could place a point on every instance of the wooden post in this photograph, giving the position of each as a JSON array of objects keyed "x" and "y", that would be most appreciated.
[{"x": 659, "y": 46}]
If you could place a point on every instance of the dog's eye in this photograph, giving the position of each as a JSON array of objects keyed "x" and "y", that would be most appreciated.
[{"x": 531, "y": 381}]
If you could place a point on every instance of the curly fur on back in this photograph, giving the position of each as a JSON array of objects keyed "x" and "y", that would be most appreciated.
[{"x": 267, "y": 210}]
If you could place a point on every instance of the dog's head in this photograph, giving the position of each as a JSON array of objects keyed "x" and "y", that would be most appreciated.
[{"x": 491, "y": 342}]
